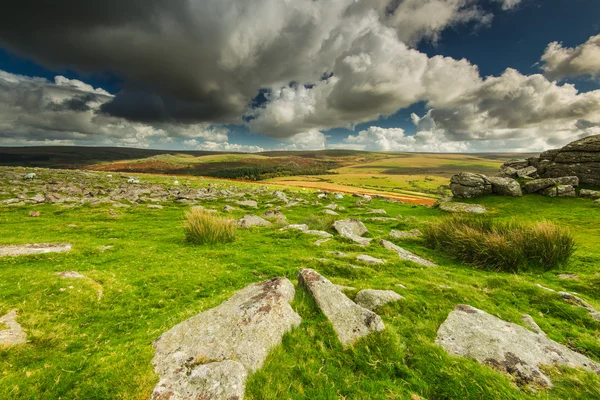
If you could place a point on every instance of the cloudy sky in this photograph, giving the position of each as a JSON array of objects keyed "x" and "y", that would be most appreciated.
[{"x": 252, "y": 75}]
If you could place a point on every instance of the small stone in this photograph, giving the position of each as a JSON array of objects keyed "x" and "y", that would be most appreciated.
[
  {"x": 297, "y": 227},
  {"x": 531, "y": 324},
  {"x": 14, "y": 335},
  {"x": 34, "y": 213},
  {"x": 250, "y": 220},
  {"x": 568, "y": 276},
  {"x": 71, "y": 275},
  {"x": 228, "y": 209},
  {"x": 405, "y": 234},
  {"x": 455, "y": 207},
  {"x": 369, "y": 260},
  {"x": 374, "y": 299},
  {"x": 155, "y": 207},
  {"x": 405, "y": 254},
  {"x": 330, "y": 212},
  {"x": 248, "y": 203},
  {"x": 378, "y": 211}
]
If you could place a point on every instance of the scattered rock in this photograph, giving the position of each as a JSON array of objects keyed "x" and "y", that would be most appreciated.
[
  {"x": 467, "y": 185},
  {"x": 350, "y": 321},
  {"x": 568, "y": 276},
  {"x": 298, "y": 227},
  {"x": 352, "y": 229},
  {"x": 248, "y": 203},
  {"x": 14, "y": 335},
  {"x": 332, "y": 206},
  {"x": 378, "y": 211},
  {"x": 250, "y": 220},
  {"x": 339, "y": 254},
  {"x": 405, "y": 234},
  {"x": 39, "y": 248},
  {"x": 405, "y": 254},
  {"x": 34, "y": 213},
  {"x": 209, "y": 356},
  {"x": 589, "y": 193},
  {"x": 455, "y": 207},
  {"x": 155, "y": 207},
  {"x": 71, "y": 275},
  {"x": 330, "y": 212},
  {"x": 323, "y": 234},
  {"x": 539, "y": 185},
  {"x": 505, "y": 186},
  {"x": 275, "y": 215},
  {"x": 545, "y": 288},
  {"x": 559, "y": 191},
  {"x": 506, "y": 347},
  {"x": 369, "y": 260},
  {"x": 579, "y": 302},
  {"x": 527, "y": 172},
  {"x": 373, "y": 299},
  {"x": 228, "y": 209}
]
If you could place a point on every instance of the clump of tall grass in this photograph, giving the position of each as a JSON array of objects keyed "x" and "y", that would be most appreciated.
[
  {"x": 320, "y": 223},
  {"x": 201, "y": 227},
  {"x": 501, "y": 245}
]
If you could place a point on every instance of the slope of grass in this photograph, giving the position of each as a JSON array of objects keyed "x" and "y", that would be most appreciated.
[{"x": 83, "y": 348}]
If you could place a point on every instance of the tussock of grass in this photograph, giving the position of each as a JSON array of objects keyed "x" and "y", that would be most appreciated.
[
  {"x": 201, "y": 227},
  {"x": 502, "y": 245}
]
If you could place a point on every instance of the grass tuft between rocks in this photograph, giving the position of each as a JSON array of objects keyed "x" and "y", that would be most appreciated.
[
  {"x": 508, "y": 246},
  {"x": 201, "y": 227}
]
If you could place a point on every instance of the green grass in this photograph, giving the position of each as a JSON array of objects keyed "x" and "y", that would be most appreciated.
[
  {"x": 502, "y": 245},
  {"x": 82, "y": 348},
  {"x": 201, "y": 227}
]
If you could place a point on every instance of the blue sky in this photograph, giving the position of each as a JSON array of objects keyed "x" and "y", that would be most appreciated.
[{"x": 145, "y": 85}]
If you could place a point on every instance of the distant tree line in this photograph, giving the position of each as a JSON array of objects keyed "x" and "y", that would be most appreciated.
[{"x": 262, "y": 173}]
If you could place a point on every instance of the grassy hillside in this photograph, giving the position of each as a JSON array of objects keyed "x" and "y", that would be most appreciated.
[{"x": 83, "y": 348}]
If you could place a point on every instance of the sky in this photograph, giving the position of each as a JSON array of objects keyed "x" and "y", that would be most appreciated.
[{"x": 257, "y": 75}]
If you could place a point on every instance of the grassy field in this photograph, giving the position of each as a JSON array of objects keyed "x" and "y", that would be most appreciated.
[{"x": 80, "y": 347}]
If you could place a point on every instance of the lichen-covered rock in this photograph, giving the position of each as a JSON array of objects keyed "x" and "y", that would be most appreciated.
[
  {"x": 538, "y": 185},
  {"x": 505, "y": 186},
  {"x": 372, "y": 299},
  {"x": 589, "y": 193},
  {"x": 350, "y": 321},
  {"x": 467, "y": 185},
  {"x": 579, "y": 302},
  {"x": 297, "y": 227},
  {"x": 250, "y": 220},
  {"x": 515, "y": 164},
  {"x": 506, "y": 347},
  {"x": 456, "y": 207},
  {"x": 275, "y": 215},
  {"x": 210, "y": 355},
  {"x": 405, "y": 234},
  {"x": 36, "y": 248},
  {"x": 559, "y": 191},
  {"x": 14, "y": 335},
  {"x": 405, "y": 254},
  {"x": 528, "y": 172},
  {"x": 352, "y": 229}
]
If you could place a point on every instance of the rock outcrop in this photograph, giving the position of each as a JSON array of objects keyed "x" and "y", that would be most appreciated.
[
  {"x": 350, "y": 321},
  {"x": 580, "y": 158},
  {"x": 539, "y": 185},
  {"x": 506, "y": 347},
  {"x": 250, "y": 220},
  {"x": 467, "y": 185},
  {"x": 210, "y": 355},
  {"x": 372, "y": 299},
  {"x": 505, "y": 186}
]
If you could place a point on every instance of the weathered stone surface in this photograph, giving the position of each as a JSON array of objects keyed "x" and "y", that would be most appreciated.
[
  {"x": 372, "y": 299},
  {"x": 568, "y": 276},
  {"x": 405, "y": 254},
  {"x": 405, "y": 234},
  {"x": 155, "y": 206},
  {"x": 467, "y": 185},
  {"x": 527, "y": 172},
  {"x": 378, "y": 211},
  {"x": 506, "y": 347},
  {"x": 505, "y": 186},
  {"x": 369, "y": 260},
  {"x": 559, "y": 191},
  {"x": 14, "y": 335},
  {"x": 250, "y": 220},
  {"x": 352, "y": 229},
  {"x": 248, "y": 203},
  {"x": 507, "y": 172},
  {"x": 531, "y": 324},
  {"x": 350, "y": 321},
  {"x": 323, "y": 234},
  {"x": 456, "y": 207},
  {"x": 580, "y": 158},
  {"x": 228, "y": 209},
  {"x": 515, "y": 164},
  {"x": 210, "y": 355},
  {"x": 71, "y": 275},
  {"x": 541, "y": 184},
  {"x": 38, "y": 248}
]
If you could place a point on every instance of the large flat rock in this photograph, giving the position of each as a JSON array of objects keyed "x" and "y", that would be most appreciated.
[
  {"x": 14, "y": 334},
  {"x": 350, "y": 321},
  {"x": 405, "y": 254},
  {"x": 36, "y": 248},
  {"x": 506, "y": 347},
  {"x": 352, "y": 229},
  {"x": 209, "y": 356}
]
